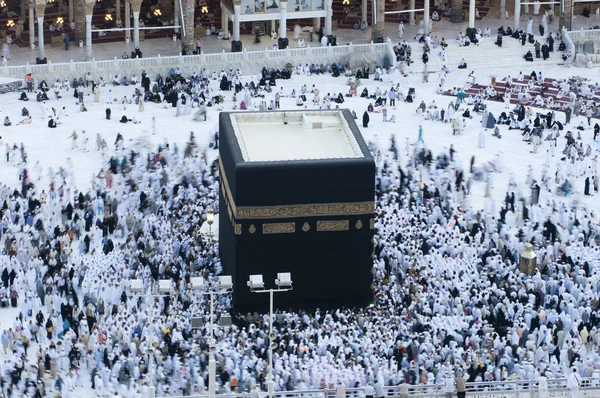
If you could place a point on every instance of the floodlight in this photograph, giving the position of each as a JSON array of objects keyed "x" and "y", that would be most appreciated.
[
  {"x": 196, "y": 283},
  {"x": 225, "y": 282},
  {"x": 136, "y": 285},
  {"x": 210, "y": 216},
  {"x": 284, "y": 280},
  {"x": 164, "y": 286},
  {"x": 256, "y": 282}
]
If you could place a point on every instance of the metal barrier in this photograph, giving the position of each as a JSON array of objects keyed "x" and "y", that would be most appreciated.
[
  {"x": 249, "y": 62},
  {"x": 590, "y": 388}
]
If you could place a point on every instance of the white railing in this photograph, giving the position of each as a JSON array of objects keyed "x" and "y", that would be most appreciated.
[
  {"x": 495, "y": 389},
  {"x": 568, "y": 40},
  {"x": 592, "y": 34},
  {"x": 214, "y": 61}
]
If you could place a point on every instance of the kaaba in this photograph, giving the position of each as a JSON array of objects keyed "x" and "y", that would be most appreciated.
[{"x": 296, "y": 195}]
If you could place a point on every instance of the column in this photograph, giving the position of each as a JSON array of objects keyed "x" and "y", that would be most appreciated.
[
  {"x": 378, "y": 31},
  {"x": 411, "y": 15},
  {"x": 317, "y": 23},
  {"x": 88, "y": 37},
  {"x": 426, "y": 27},
  {"x": 471, "y": 13},
  {"x": 187, "y": 41},
  {"x": 328, "y": 17},
  {"x": 177, "y": 15},
  {"x": 363, "y": 11},
  {"x": 283, "y": 41},
  {"x": 136, "y": 29},
  {"x": 517, "y": 14},
  {"x": 40, "y": 10},
  {"x": 71, "y": 10},
  {"x": 526, "y": 8},
  {"x": 237, "y": 12},
  {"x": 118, "y": 6},
  {"x": 502, "y": 11},
  {"x": 127, "y": 21},
  {"x": 23, "y": 10},
  {"x": 283, "y": 20},
  {"x": 224, "y": 19},
  {"x": 31, "y": 26},
  {"x": 79, "y": 15},
  {"x": 40, "y": 20},
  {"x": 136, "y": 5},
  {"x": 236, "y": 44}
]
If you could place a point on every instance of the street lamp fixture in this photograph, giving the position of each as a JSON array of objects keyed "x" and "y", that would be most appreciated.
[
  {"x": 255, "y": 282},
  {"x": 136, "y": 286},
  {"x": 224, "y": 286},
  {"x": 2, "y": 3},
  {"x": 204, "y": 10},
  {"x": 210, "y": 219},
  {"x": 60, "y": 20},
  {"x": 108, "y": 18},
  {"x": 284, "y": 280},
  {"x": 10, "y": 23},
  {"x": 157, "y": 12},
  {"x": 256, "y": 285},
  {"x": 225, "y": 282}
]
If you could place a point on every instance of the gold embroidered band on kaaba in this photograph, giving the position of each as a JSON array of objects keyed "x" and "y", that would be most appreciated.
[{"x": 290, "y": 211}]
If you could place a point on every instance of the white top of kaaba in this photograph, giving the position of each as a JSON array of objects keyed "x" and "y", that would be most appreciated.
[{"x": 280, "y": 136}]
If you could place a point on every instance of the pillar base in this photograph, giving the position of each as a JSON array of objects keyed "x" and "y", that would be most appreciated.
[
  {"x": 236, "y": 46},
  {"x": 283, "y": 43},
  {"x": 378, "y": 39},
  {"x": 41, "y": 61}
]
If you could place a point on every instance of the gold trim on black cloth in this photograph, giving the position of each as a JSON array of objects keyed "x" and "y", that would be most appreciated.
[
  {"x": 334, "y": 225},
  {"x": 279, "y": 228},
  {"x": 238, "y": 229},
  {"x": 292, "y": 211}
]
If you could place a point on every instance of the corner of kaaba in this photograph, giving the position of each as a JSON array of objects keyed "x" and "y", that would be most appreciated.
[{"x": 296, "y": 195}]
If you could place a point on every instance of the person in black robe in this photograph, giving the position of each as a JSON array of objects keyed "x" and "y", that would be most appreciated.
[
  {"x": 542, "y": 29},
  {"x": 521, "y": 113},
  {"x": 499, "y": 40},
  {"x": 108, "y": 112},
  {"x": 224, "y": 84},
  {"x": 586, "y": 189},
  {"x": 549, "y": 120},
  {"x": 550, "y": 43},
  {"x": 52, "y": 124},
  {"x": 545, "y": 52},
  {"x": 523, "y": 38},
  {"x": 537, "y": 47},
  {"x": 528, "y": 56},
  {"x": 425, "y": 58},
  {"x": 366, "y": 119}
]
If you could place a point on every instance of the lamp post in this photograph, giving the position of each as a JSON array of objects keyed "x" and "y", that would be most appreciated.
[
  {"x": 210, "y": 219},
  {"x": 224, "y": 286},
  {"x": 164, "y": 288},
  {"x": 256, "y": 285}
]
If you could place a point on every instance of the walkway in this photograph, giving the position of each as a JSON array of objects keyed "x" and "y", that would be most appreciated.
[{"x": 211, "y": 44}]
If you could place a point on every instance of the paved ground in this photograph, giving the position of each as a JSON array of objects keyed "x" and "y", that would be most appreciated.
[{"x": 212, "y": 44}]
